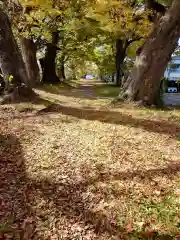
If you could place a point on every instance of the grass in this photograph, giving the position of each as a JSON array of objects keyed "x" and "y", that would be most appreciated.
[
  {"x": 75, "y": 167},
  {"x": 106, "y": 90}
]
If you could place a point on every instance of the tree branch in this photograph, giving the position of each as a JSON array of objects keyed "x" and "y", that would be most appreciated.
[{"x": 129, "y": 42}]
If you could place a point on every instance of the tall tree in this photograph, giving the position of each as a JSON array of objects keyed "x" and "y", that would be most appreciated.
[
  {"x": 121, "y": 53},
  {"x": 50, "y": 15},
  {"x": 144, "y": 81},
  {"x": 121, "y": 22},
  {"x": 20, "y": 18},
  {"x": 11, "y": 62},
  {"x": 29, "y": 50},
  {"x": 61, "y": 69},
  {"x": 49, "y": 62}
]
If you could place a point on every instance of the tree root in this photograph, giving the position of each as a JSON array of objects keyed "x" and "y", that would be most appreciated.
[{"x": 19, "y": 94}]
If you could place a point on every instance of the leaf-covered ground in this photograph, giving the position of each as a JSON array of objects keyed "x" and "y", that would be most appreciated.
[{"x": 84, "y": 169}]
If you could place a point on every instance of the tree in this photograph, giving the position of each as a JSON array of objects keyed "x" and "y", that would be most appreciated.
[
  {"x": 29, "y": 49},
  {"x": 121, "y": 53},
  {"x": 49, "y": 62},
  {"x": 11, "y": 62},
  {"x": 124, "y": 24},
  {"x": 22, "y": 25},
  {"x": 138, "y": 16},
  {"x": 144, "y": 81},
  {"x": 103, "y": 57},
  {"x": 61, "y": 69},
  {"x": 40, "y": 20},
  {"x": 135, "y": 25}
]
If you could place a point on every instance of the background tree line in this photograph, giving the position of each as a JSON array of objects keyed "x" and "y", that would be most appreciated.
[{"x": 72, "y": 38}]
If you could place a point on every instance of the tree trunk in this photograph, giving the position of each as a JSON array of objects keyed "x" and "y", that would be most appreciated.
[
  {"x": 112, "y": 77},
  {"x": 62, "y": 69},
  {"x": 2, "y": 83},
  {"x": 120, "y": 56},
  {"x": 49, "y": 62},
  {"x": 18, "y": 86},
  {"x": 11, "y": 62},
  {"x": 144, "y": 81},
  {"x": 29, "y": 56}
]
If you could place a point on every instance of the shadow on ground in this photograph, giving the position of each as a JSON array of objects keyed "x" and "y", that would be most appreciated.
[
  {"x": 112, "y": 117},
  {"x": 18, "y": 195},
  {"x": 170, "y": 170},
  {"x": 15, "y": 212}
]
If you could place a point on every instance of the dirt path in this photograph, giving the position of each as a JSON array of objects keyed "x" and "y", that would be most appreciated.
[
  {"x": 76, "y": 171},
  {"x": 87, "y": 93}
]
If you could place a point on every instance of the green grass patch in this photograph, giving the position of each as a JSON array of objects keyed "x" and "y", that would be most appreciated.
[
  {"x": 54, "y": 88},
  {"x": 106, "y": 90},
  {"x": 153, "y": 219}
]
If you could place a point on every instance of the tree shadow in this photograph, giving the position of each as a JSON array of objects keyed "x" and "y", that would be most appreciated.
[
  {"x": 112, "y": 117},
  {"x": 18, "y": 195},
  {"x": 69, "y": 202},
  {"x": 172, "y": 169},
  {"x": 15, "y": 213}
]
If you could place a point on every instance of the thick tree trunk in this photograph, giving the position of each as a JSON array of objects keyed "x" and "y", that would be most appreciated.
[
  {"x": 120, "y": 56},
  {"x": 18, "y": 86},
  {"x": 144, "y": 81},
  {"x": 29, "y": 56},
  {"x": 11, "y": 62},
  {"x": 49, "y": 62}
]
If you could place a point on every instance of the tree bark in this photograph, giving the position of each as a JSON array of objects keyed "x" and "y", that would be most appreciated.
[
  {"x": 62, "y": 69},
  {"x": 121, "y": 49},
  {"x": 112, "y": 77},
  {"x": 29, "y": 56},
  {"x": 144, "y": 81},
  {"x": 11, "y": 62},
  {"x": 49, "y": 62},
  {"x": 2, "y": 83},
  {"x": 120, "y": 56}
]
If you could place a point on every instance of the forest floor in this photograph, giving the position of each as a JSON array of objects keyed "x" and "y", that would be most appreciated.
[{"x": 75, "y": 167}]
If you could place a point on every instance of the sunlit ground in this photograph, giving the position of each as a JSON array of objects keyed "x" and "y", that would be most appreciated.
[{"x": 82, "y": 168}]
